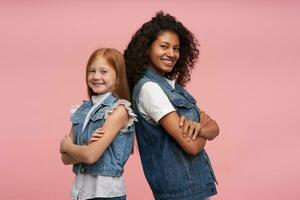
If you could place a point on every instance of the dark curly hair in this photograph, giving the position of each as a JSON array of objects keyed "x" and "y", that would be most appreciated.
[{"x": 136, "y": 54}]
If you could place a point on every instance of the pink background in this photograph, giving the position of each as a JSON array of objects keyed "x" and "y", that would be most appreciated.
[{"x": 247, "y": 78}]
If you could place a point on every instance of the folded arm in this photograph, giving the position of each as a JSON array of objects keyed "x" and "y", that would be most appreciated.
[
  {"x": 209, "y": 127},
  {"x": 66, "y": 158},
  {"x": 93, "y": 151},
  {"x": 171, "y": 123}
]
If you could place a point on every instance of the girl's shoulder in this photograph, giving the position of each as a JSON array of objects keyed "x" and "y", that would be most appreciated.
[
  {"x": 84, "y": 104},
  {"x": 127, "y": 105}
]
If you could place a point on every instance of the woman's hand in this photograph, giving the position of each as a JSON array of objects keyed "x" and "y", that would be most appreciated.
[
  {"x": 99, "y": 132},
  {"x": 64, "y": 143},
  {"x": 210, "y": 128},
  {"x": 175, "y": 124},
  {"x": 191, "y": 129}
]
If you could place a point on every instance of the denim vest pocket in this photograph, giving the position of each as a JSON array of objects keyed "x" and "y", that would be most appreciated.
[
  {"x": 182, "y": 103},
  {"x": 75, "y": 119},
  {"x": 97, "y": 116},
  {"x": 186, "y": 108}
]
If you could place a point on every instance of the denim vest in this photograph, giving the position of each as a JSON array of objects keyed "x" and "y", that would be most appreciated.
[
  {"x": 112, "y": 161},
  {"x": 170, "y": 172}
]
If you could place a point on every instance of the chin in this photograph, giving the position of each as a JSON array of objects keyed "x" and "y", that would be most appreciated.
[
  {"x": 169, "y": 69},
  {"x": 97, "y": 92}
]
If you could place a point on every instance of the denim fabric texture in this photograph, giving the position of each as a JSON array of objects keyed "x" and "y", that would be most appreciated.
[
  {"x": 170, "y": 172},
  {"x": 111, "y": 163}
]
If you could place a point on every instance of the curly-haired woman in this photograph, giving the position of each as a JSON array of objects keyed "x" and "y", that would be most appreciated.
[{"x": 171, "y": 137}]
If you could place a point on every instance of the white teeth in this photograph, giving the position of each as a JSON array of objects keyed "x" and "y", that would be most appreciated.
[
  {"x": 168, "y": 62},
  {"x": 98, "y": 83}
]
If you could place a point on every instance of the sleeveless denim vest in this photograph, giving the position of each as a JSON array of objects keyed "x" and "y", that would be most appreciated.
[
  {"x": 170, "y": 172},
  {"x": 112, "y": 161}
]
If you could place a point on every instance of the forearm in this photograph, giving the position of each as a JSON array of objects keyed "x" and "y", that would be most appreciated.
[
  {"x": 68, "y": 160},
  {"x": 197, "y": 145},
  {"x": 93, "y": 151},
  {"x": 170, "y": 123},
  {"x": 210, "y": 130},
  {"x": 82, "y": 153}
]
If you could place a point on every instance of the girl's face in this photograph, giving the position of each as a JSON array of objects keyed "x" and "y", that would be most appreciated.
[
  {"x": 101, "y": 77},
  {"x": 164, "y": 52}
]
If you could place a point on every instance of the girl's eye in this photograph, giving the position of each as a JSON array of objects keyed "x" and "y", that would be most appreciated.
[
  {"x": 164, "y": 46},
  {"x": 103, "y": 72},
  {"x": 92, "y": 71}
]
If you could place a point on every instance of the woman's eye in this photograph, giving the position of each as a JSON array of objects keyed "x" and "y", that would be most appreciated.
[{"x": 164, "y": 46}]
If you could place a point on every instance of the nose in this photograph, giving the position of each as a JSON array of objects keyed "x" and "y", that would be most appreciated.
[
  {"x": 171, "y": 53},
  {"x": 97, "y": 75}
]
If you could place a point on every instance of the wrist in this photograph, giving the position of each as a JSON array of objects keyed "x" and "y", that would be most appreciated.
[
  {"x": 202, "y": 133},
  {"x": 67, "y": 147}
]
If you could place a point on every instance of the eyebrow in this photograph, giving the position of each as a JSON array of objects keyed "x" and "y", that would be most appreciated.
[{"x": 169, "y": 43}]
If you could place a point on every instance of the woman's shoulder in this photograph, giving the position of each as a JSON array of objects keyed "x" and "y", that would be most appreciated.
[{"x": 150, "y": 85}]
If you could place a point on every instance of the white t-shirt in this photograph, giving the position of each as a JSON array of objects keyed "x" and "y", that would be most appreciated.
[{"x": 153, "y": 102}]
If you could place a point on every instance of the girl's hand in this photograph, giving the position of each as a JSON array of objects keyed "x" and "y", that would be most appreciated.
[
  {"x": 191, "y": 129},
  {"x": 96, "y": 135},
  {"x": 64, "y": 143}
]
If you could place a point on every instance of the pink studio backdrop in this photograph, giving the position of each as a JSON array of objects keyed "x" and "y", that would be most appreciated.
[{"x": 247, "y": 78}]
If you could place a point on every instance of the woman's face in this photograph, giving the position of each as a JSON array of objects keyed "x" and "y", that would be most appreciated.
[{"x": 164, "y": 52}]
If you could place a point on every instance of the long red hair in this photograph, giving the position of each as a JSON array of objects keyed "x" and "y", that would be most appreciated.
[{"x": 116, "y": 60}]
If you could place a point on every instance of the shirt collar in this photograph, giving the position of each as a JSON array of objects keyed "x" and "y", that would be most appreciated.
[{"x": 98, "y": 99}]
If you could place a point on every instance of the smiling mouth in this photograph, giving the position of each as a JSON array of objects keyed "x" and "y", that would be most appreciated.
[
  {"x": 98, "y": 84},
  {"x": 168, "y": 62}
]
